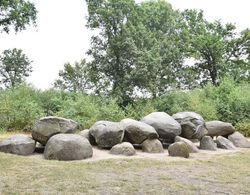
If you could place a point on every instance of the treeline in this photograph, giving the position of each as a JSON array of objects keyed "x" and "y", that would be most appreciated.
[
  {"x": 22, "y": 105},
  {"x": 143, "y": 57}
]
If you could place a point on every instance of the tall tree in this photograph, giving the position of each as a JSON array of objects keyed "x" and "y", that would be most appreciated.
[
  {"x": 160, "y": 47},
  {"x": 16, "y": 14},
  {"x": 137, "y": 49},
  {"x": 214, "y": 47},
  {"x": 113, "y": 49},
  {"x": 14, "y": 67},
  {"x": 73, "y": 77}
]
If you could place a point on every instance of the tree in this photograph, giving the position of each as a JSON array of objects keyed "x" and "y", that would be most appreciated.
[
  {"x": 137, "y": 49},
  {"x": 14, "y": 67},
  {"x": 113, "y": 49},
  {"x": 73, "y": 77},
  {"x": 160, "y": 47},
  {"x": 215, "y": 48},
  {"x": 16, "y": 14}
]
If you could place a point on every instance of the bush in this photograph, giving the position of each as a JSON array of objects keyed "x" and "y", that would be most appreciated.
[
  {"x": 18, "y": 108},
  {"x": 140, "y": 108},
  {"x": 86, "y": 110},
  {"x": 244, "y": 127}
]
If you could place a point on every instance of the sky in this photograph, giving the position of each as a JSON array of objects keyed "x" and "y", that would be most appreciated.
[{"x": 61, "y": 35}]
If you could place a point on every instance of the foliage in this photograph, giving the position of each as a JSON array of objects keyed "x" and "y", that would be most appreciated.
[
  {"x": 18, "y": 108},
  {"x": 244, "y": 127},
  {"x": 14, "y": 67},
  {"x": 16, "y": 14},
  {"x": 73, "y": 77},
  {"x": 217, "y": 48},
  {"x": 137, "y": 49},
  {"x": 22, "y": 105}
]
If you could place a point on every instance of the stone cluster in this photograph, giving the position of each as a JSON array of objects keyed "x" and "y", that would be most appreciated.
[{"x": 57, "y": 139}]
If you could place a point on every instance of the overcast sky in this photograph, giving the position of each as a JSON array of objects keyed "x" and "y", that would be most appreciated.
[{"x": 61, "y": 35}]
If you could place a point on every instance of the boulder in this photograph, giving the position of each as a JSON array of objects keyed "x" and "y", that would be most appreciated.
[
  {"x": 18, "y": 144},
  {"x": 46, "y": 127},
  {"x": 192, "y": 148},
  {"x": 152, "y": 146},
  {"x": 192, "y": 125},
  {"x": 178, "y": 149},
  {"x": 136, "y": 132},
  {"x": 207, "y": 143},
  {"x": 216, "y": 128},
  {"x": 166, "y": 127},
  {"x": 107, "y": 134},
  {"x": 125, "y": 148},
  {"x": 224, "y": 143},
  {"x": 239, "y": 140},
  {"x": 85, "y": 133},
  {"x": 67, "y": 147}
]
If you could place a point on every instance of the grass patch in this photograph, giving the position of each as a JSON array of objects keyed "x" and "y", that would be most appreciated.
[{"x": 220, "y": 174}]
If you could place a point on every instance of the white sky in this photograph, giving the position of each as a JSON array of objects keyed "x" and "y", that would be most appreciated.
[{"x": 61, "y": 35}]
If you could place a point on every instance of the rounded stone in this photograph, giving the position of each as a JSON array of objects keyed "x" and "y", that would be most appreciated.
[
  {"x": 152, "y": 146},
  {"x": 179, "y": 149},
  {"x": 68, "y": 147},
  {"x": 125, "y": 148},
  {"x": 18, "y": 144}
]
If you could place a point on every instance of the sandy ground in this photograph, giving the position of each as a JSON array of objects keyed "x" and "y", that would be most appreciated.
[{"x": 101, "y": 154}]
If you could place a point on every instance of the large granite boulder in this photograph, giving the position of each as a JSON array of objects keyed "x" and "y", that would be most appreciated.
[
  {"x": 46, "y": 127},
  {"x": 192, "y": 148},
  {"x": 224, "y": 143},
  {"x": 68, "y": 147},
  {"x": 216, "y": 128},
  {"x": 125, "y": 148},
  {"x": 152, "y": 146},
  {"x": 166, "y": 127},
  {"x": 192, "y": 125},
  {"x": 86, "y": 134},
  {"x": 239, "y": 140},
  {"x": 107, "y": 134},
  {"x": 136, "y": 132},
  {"x": 179, "y": 149},
  {"x": 207, "y": 143},
  {"x": 18, "y": 144}
]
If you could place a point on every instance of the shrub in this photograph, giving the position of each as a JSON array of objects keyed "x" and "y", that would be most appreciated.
[
  {"x": 244, "y": 127},
  {"x": 140, "y": 108},
  {"x": 18, "y": 108}
]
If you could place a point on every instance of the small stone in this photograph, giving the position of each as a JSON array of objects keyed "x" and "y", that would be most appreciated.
[
  {"x": 207, "y": 143},
  {"x": 179, "y": 149},
  {"x": 152, "y": 146},
  {"x": 125, "y": 148}
]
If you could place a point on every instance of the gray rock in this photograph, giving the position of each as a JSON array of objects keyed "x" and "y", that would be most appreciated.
[
  {"x": 224, "y": 143},
  {"x": 85, "y": 133},
  {"x": 166, "y": 127},
  {"x": 68, "y": 147},
  {"x": 152, "y": 146},
  {"x": 216, "y": 128},
  {"x": 107, "y": 134},
  {"x": 46, "y": 127},
  {"x": 136, "y": 132},
  {"x": 192, "y": 148},
  {"x": 239, "y": 140},
  {"x": 207, "y": 143},
  {"x": 178, "y": 149},
  {"x": 18, "y": 144},
  {"x": 192, "y": 125},
  {"x": 125, "y": 148}
]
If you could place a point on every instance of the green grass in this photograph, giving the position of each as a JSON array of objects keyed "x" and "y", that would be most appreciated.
[{"x": 216, "y": 174}]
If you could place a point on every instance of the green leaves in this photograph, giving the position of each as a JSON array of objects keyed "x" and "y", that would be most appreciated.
[
  {"x": 14, "y": 67},
  {"x": 16, "y": 14},
  {"x": 73, "y": 77}
]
